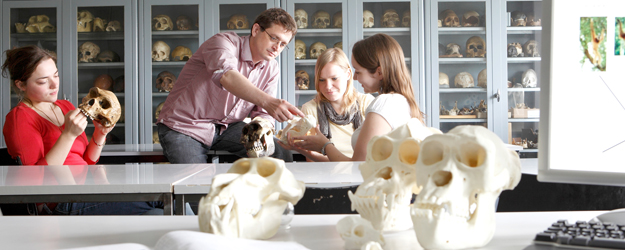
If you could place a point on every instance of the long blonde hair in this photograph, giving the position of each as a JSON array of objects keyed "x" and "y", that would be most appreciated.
[
  {"x": 338, "y": 57},
  {"x": 381, "y": 50}
]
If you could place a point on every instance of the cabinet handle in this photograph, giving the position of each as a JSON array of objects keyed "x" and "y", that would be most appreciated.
[{"x": 498, "y": 95}]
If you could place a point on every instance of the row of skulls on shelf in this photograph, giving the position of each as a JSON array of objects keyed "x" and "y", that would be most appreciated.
[
  {"x": 86, "y": 22},
  {"x": 479, "y": 110},
  {"x": 463, "y": 80},
  {"x": 90, "y": 52},
  {"x": 519, "y": 18},
  {"x": 164, "y": 22},
  {"x": 475, "y": 47},
  {"x": 36, "y": 24},
  {"x": 528, "y": 49},
  {"x": 321, "y": 19},
  {"x": 448, "y": 18},
  {"x": 315, "y": 49},
  {"x": 161, "y": 52}
]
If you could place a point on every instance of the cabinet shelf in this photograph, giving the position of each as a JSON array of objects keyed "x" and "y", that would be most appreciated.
[
  {"x": 523, "y": 59},
  {"x": 461, "y": 60},
  {"x": 462, "y": 90},
  {"x": 452, "y": 120},
  {"x": 118, "y": 94},
  {"x": 319, "y": 32},
  {"x": 35, "y": 36},
  {"x": 101, "y": 36},
  {"x": 169, "y": 64},
  {"x": 529, "y": 150},
  {"x": 461, "y": 30},
  {"x": 524, "y": 30},
  {"x": 304, "y": 62},
  {"x": 523, "y": 89},
  {"x": 160, "y": 94},
  {"x": 175, "y": 34},
  {"x": 101, "y": 65},
  {"x": 306, "y": 92},
  {"x": 523, "y": 119},
  {"x": 402, "y": 31}
]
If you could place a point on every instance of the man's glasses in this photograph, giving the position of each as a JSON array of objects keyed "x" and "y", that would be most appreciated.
[{"x": 275, "y": 40}]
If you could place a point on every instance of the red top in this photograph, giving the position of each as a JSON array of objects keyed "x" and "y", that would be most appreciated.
[{"x": 30, "y": 136}]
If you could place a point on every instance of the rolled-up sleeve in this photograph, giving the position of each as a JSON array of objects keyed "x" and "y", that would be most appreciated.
[{"x": 219, "y": 58}]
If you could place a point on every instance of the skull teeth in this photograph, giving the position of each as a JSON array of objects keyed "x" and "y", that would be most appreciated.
[
  {"x": 446, "y": 209},
  {"x": 86, "y": 114}
]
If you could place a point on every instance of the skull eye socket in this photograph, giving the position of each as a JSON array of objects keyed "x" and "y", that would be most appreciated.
[
  {"x": 472, "y": 155},
  {"x": 381, "y": 149},
  {"x": 409, "y": 152},
  {"x": 105, "y": 104},
  {"x": 266, "y": 168},
  {"x": 432, "y": 153},
  {"x": 304, "y": 20},
  {"x": 91, "y": 102},
  {"x": 480, "y": 47},
  {"x": 245, "y": 130},
  {"x": 359, "y": 231}
]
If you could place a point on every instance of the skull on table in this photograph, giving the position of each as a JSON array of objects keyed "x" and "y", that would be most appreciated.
[
  {"x": 88, "y": 52},
  {"x": 300, "y": 49},
  {"x": 316, "y": 49},
  {"x": 108, "y": 56},
  {"x": 257, "y": 138},
  {"x": 302, "y": 79},
  {"x": 367, "y": 19},
  {"x": 476, "y": 47},
  {"x": 181, "y": 53},
  {"x": 390, "y": 19},
  {"x": 301, "y": 18},
  {"x": 160, "y": 51},
  {"x": 449, "y": 18},
  {"x": 515, "y": 50},
  {"x": 530, "y": 49},
  {"x": 85, "y": 21},
  {"x": 321, "y": 20},
  {"x": 165, "y": 81},
  {"x": 162, "y": 22},
  {"x": 464, "y": 80},
  {"x": 356, "y": 232},
  {"x": 471, "y": 19},
  {"x": 183, "y": 23},
  {"x": 101, "y": 106},
  {"x": 39, "y": 24},
  {"x": 238, "y": 22},
  {"x": 337, "y": 20}
]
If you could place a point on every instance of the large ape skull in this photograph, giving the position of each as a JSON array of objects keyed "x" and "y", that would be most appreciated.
[
  {"x": 518, "y": 18},
  {"x": 302, "y": 79},
  {"x": 39, "y": 24},
  {"x": 183, "y": 23},
  {"x": 405, "y": 19},
  {"x": 301, "y": 18},
  {"x": 321, "y": 20},
  {"x": 462, "y": 173},
  {"x": 238, "y": 22},
  {"x": 181, "y": 53},
  {"x": 367, "y": 19},
  {"x": 316, "y": 49},
  {"x": 443, "y": 80},
  {"x": 108, "y": 56},
  {"x": 165, "y": 81},
  {"x": 356, "y": 232},
  {"x": 300, "y": 49},
  {"x": 390, "y": 18},
  {"x": 515, "y": 50},
  {"x": 449, "y": 18},
  {"x": 88, "y": 52},
  {"x": 248, "y": 201},
  {"x": 471, "y": 19},
  {"x": 476, "y": 47},
  {"x": 160, "y": 51},
  {"x": 162, "y": 22},
  {"x": 530, "y": 80},
  {"x": 464, "y": 80},
  {"x": 114, "y": 26},
  {"x": 101, "y": 106},
  {"x": 482, "y": 79},
  {"x": 85, "y": 21},
  {"x": 257, "y": 138},
  {"x": 530, "y": 49},
  {"x": 337, "y": 20},
  {"x": 297, "y": 126},
  {"x": 389, "y": 180}
]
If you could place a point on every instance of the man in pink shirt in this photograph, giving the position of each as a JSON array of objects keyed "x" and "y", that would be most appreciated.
[{"x": 227, "y": 78}]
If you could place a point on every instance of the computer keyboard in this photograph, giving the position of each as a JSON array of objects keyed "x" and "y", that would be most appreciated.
[{"x": 583, "y": 235}]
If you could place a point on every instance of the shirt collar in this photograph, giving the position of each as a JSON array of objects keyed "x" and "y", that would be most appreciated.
[{"x": 246, "y": 53}]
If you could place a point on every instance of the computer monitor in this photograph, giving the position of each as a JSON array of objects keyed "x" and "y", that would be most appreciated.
[{"x": 582, "y": 102}]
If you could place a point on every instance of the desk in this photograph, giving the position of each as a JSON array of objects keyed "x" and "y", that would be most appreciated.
[{"x": 515, "y": 231}]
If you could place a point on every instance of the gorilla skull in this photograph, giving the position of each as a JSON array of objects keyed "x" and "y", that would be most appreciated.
[
  {"x": 101, "y": 106},
  {"x": 257, "y": 138}
]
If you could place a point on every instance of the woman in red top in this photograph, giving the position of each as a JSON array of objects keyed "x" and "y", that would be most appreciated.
[{"x": 42, "y": 130}]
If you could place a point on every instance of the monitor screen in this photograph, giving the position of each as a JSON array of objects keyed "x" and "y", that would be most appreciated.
[{"x": 582, "y": 119}]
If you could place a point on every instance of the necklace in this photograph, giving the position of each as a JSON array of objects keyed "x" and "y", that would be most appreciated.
[{"x": 50, "y": 119}]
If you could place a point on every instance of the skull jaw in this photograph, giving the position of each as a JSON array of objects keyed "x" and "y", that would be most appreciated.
[
  {"x": 387, "y": 218},
  {"x": 106, "y": 122},
  {"x": 261, "y": 150}
]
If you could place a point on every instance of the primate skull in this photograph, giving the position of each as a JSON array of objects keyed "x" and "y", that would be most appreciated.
[
  {"x": 183, "y": 23},
  {"x": 39, "y": 24},
  {"x": 449, "y": 18},
  {"x": 257, "y": 138},
  {"x": 482, "y": 79},
  {"x": 88, "y": 52},
  {"x": 518, "y": 18},
  {"x": 316, "y": 49},
  {"x": 297, "y": 126},
  {"x": 471, "y": 19},
  {"x": 476, "y": 47},
  {"x": 338, "y": 45},
  {"x": 405, "y": 19},
  {"x": 461, "y": 174},
  {"x": 159, "y": 108},
  {"x": 113, "y": 26},
  {"x": 302, "y": 79},
  {"x": 119, "y": 84},
  {"x": 530, "y": 49},
  {"x": 165, "y": 81},
  {"x": 181, "y": 53},
  {"x": 530, "y": 80},
  {"x": 300, "y": 49},
  {"x": 108, "y": 56},
  {"x": 20, "y": 27},
  {"x": 321, "y": 20},
  {"x": 104, "y": 82},
  {"x": 452, "y": 50},
  {"x": 337, "y": 20},
  {"x": 367, "y": 19},
  {"x": 390, "y": 18},
  {"x": 162, "y": 22},
  {"x": 533, "y": 20},
  {"x": 515, "y": 50},
  {"x": 248, "y": 200},
  {"x": 238, "y": 22},
  {"x": 356, "y": 232},
  {"x": 85, "y": 21},
  {"x": 155, "y": 138},
  {"x": 389, "y": 179},
  {"x": 160, "y": 51},
  {"x": 301, "y": 18},
  {"x": 101, "y": 106},
  {"x": 443, "y": 80},
  {"x": 99, "y": 24},
  {"x": 464, "y": 80}
]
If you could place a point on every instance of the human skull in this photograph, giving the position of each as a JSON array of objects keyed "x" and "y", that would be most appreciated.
[
  {"x": 462, "y": 174},
  {"x": 338, "y": 45},
  {"x": 533, "y": 20},
  {"x": 257, "y": 138},
  {"x": 515, "y": 50},
  {"x": 443, "y": 80},
  {"x": 338, "y": 20},
  {"x": 181, "y": 53},
  {"x": 155, "y": 138},
  {"x": 237, "y": 22},
  {"x": 356, "y": 232},
  {"x": 104, "y": 82},
  {"x": 165, "y": 81},
  {"x": 316, "y": 49},
  {"x": 302, "y": 79},
  {"x": 449, "y": 18},
  {"x": 248, "y": 200},
  {"x": 405, "y": 19},
  {"x": 464, "y": 80},
  {"x": 530, "y": 49},
  {"x": 114, "y": 26},
  {"x": 158, "y": 110},
  {"x": 88, "y": 52},
  {"x": 482, "y": 79},
  {"x": 160, "y": 51},
  {"x": 101, "y": 106},
  {"x": 119, "y": 84},
  {"x": 99, "y": 24},
  {"x": 39, "y": 24},
  {"x": 321, "y": 20},
  {"x": 518, "y": 18},
  {"x": 389, "y": 180},
  {"x": 297, "y": 126},
  {"x": 476, "y": 47},
  {"x": 530, "y": 80},
  {"x": 452, "y": 50},
  {"x": 108, "y": 56},
  {"x": 162, "y": 22},
  {"x": 301, "y": 18},
  {"x": 85, "y": 21},
  {"x": 390, "y": 18},
  {"x": 471, "y": 19},
  {"x": 367, "y": 19},
  {"x": 183, "y": 23},
  {"x": 300, "y": 49}
]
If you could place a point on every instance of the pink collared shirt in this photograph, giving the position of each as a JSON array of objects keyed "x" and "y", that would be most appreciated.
[{"x": 198, "y": 101}]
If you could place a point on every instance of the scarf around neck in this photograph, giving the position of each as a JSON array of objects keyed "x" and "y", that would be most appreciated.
[{"x": 325, "y": 113}]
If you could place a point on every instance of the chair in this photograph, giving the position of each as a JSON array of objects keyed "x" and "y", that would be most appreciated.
[
  {"x": 11, "y": 209},
  {"x": 7, "y": 160}
]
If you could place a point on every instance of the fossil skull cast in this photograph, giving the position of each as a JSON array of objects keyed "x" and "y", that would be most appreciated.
[
  {"x": 464, "y": 80},
  {"x": 301, "y": 18},
  {"x": 183, "y": 23},
  {"x": 367, "y": 19},
  {"x": 530, "y": 80},
  {"x": 160, "y": 51},
  {"x": 471, "y": 19},
  {"x": 389, "y": 180},
  {"x": 452, "y": 50},
  {"x": 357, "y": 232},
  {"x": 165, "y": 81},
  {"x": 321, "y": 20},
  {"x": 302, "y": 79},
  {"x": 316, "y": 49},
  {"x": 300, "y": 49},
  {"x": 449, "y": 18},
  {"x": 88, "y": 52},
  {"x": 20, "y": 27},
  {"x": 297, "y": 126},
  {"x": 101, "y": 106},
  {"x": 181, "y": 53},
  {"x": 461, "y": 174},
  {"x": 533, "y": 20},
  {"x": 114, "y": 26},
  {"x": 476, "y": 47},
  {"x": 155, "y": 138},
  {"x": 337, "y": 20},
  {"x": 257, "y": 138},
  {"x": 39, "y": 24},
  {"x": 482, "y": 79},
  {"x": 238, "y": 22},
  {"x": 405, "y": 19},
  {"x": 515, "y": 50},
  {"x": 390, "y": 18},
  {"x": 443, "y": 80},
  {"x": 518, "y": 18},
  {"x": 338, "y": 45},
  {"x": 248, "y": 200},
  {"x": 99, "y": 24},
  {"x": 104, "y": 81},
  {"x": 162, "y": 22},
  {"x": 530, "y": 49},
  {"x": 158, "y": 110},
  {"x": 85, "y": 21},
  {"x": 108, "y": 56}
]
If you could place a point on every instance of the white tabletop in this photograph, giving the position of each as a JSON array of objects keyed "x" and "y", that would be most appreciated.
[{"x": 514, "y": 230}]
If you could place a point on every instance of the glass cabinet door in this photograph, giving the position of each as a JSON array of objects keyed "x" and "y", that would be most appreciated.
[{"x": 523, "y": 39}]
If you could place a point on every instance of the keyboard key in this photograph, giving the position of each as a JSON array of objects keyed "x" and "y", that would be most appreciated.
[
  {"x": 607, "y": 242},
  {"x": 547, "y": 237},
  {"x": 580, "y": 240},
  {"x": 564, "y": 239}
]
